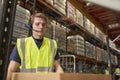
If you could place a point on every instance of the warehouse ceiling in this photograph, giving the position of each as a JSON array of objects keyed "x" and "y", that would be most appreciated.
[{"x": 109, "y": 19}]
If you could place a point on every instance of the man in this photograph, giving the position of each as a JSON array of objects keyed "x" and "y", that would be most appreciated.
[
  {"x": 117, "y": 72},
  {"x": 35, "y": 53},
  {"x": 107, "y": 72}
]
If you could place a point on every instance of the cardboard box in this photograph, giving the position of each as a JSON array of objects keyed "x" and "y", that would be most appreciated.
[{"x": 56, "y": 76}]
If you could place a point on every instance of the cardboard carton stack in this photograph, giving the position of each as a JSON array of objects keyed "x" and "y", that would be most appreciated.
[
  {"x": 100, "y": 35},
  {"x": 92, "y": 28},
  {"x": 60, "y": 5},
  {"x": 87, "y": 23},
  {"x": 49, "y": 2},
  {"x": 59, "y": 34},
  {"x": 71, "y": 11},
  {"x": 49, "y": 29},
  {"x": 90, "y": 50},
  {"x": 99, "y": 55},
  {"x": 21, "y": 18},
  {"x": 75, "y": 44},
  {"x": 114, "y": 59},
  {"x": 87, "y": 49},
  {"x": 79, "y": 17},
  {"x": 104, "y": 56}
]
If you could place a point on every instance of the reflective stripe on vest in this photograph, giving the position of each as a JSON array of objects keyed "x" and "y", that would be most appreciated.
[
  {"x": 41, "y": 69},
  {"x": 52, "y": 47},
  {"x": 22, "y": 45}
]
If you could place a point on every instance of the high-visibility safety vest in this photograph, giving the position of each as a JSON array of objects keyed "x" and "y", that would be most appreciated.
[
  {"x": 107, "y": 72},
  {"x": 117, "y": 71},
  {"x": 34, "y": 59}
]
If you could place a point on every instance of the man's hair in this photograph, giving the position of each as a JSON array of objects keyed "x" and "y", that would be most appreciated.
[{"x": 40, "y": 15}]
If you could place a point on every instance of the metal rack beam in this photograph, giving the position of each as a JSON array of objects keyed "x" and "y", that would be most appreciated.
[
  {"x": 118, "y": 37},
  {"x": 109, "y": 55},
  {"x": 7, "y": 21}
]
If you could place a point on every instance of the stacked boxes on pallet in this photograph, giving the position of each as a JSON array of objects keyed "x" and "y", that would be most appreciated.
[
  {"x": 90, "y": 50},
  {"x": 21, "y": 18},
  {"x": 71, "y": 11},
  {"x": 104, "y": 56},
  {"x": 49, "y": 29},
  {"x": 87, "y": 49},
  {"x": 49, "y": 1},
  {"x": 92, "y": 28},
  {"x": 114, "y": 59},
  {"x": 59, "y": 34},
  {"x": 68, "y": 9},
  {"x": 79, "y": 17},
  {"x": 75, "y": 44},
  {"x": 100, "y": 35},
  {"x": 60, "y": 5},
  {"x": 99, "y": 55},
  {"x": 87, "y": 24}
]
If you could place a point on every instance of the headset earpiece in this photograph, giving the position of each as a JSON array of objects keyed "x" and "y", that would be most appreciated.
[{"x": 30, "y": 25}]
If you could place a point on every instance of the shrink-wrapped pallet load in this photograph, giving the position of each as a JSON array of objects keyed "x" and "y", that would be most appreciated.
[
  {"x": 49, "y": 2},
  {"x": 75, "y": 44},
  {"x": 71, "y": 11},
  {"x": 99, "y": 34},
  {"x": 90, "y": 50},
  {"x": 92, "y": 28},
  {"x": 49, "y": 29},
  {"x": 87, "y": 24},
  {"x": 87, "y": 49},
  {"x": 59, "y": 34},
  {"x": 22, "y": 17},
  {"x": 114, "y": 59},
  {"x": 98, "y": 52},
  {"x": 79, "y": 18},
  {"x": 60, "y": 5}
]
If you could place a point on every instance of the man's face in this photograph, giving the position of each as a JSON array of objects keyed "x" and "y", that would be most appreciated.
[{"x": 39, "y": 25}]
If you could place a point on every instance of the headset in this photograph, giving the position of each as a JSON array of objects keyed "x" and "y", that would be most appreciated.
[{"x": 29, "y": 26}]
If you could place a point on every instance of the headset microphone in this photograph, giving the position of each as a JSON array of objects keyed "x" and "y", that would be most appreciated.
[{"x": 30, "y": 27}]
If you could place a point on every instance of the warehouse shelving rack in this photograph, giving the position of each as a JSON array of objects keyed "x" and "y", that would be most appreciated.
[
  {"x": 6, "y": 42},
  {"x": 49, "y": 10},
  {"x": 6, "y": 24}
]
